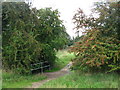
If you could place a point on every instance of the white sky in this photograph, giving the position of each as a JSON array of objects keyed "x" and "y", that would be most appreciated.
[{"x": 67, "y": 9}]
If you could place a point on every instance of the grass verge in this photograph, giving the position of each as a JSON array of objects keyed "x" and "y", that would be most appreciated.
[
  {"x": 11, "y": 80},
  {"x": 84, "y": 81}
]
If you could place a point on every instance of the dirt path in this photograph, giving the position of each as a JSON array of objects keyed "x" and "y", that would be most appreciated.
[{"x": 51, "y": 76}]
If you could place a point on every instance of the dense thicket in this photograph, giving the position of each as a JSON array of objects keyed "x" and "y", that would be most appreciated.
[
  {"x": 99, "y": 48},
  {"x": 30, "y": 36}
]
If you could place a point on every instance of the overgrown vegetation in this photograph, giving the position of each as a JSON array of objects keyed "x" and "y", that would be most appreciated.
[
  {"x": 99, "y": 49},
  {"x": 30, "y": 36},
  {"x": 12, "y": 80},
  {"x": 76, "y": 80}
]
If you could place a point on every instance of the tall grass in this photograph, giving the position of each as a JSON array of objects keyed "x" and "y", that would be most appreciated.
[
  {"x": 11, "y": 80},
  {"x": 75, "y": 80}
]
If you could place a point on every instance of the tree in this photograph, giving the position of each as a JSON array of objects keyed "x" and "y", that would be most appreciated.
[
  {"x": 99, "y": 48},
  {"x": 52, "y": 31},
  {"x": 20, "y": 49},
  {"x": 30, "y": 36}
]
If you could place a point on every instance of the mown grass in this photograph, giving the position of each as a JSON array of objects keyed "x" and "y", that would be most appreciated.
[
  {"x": 63, "y": 59},
  {"x": 11, "y": 80},
  {"x": 75, "y": 80}
]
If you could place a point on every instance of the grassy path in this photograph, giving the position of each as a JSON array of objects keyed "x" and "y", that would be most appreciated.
[
  {"x": 22, "y": 81},
  {"x": 60, "y": 68},
  {"x": 50, "y": 76},
  {"x": 60, "y": 78}
]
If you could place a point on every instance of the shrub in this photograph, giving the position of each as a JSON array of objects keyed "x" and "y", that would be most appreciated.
[{"x": 97, "y": 54}]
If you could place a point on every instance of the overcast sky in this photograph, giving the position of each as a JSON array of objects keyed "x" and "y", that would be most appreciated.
[{"x": 67, "y": 9}]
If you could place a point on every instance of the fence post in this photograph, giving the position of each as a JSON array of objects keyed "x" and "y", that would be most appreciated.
[
  {"x": 49, "y": 67},
  {"x": 41, "y": 68}
]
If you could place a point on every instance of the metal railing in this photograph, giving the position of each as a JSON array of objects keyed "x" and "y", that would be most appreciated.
[{"x": 40, "y": 66}]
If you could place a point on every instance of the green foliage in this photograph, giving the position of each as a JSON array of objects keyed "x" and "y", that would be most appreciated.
[
  {"x": 52, "y": 31},
  {"x": 30, "y": 36},
  {"x": 15, "y": 38},
  {"x": 94, "y": 54},
  {"x": 99, "y": 48}
]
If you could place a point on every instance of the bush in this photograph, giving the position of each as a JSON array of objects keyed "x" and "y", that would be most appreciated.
[{"x": 97, "y": 54}]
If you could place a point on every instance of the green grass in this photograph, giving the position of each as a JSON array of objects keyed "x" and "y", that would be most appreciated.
[
  {"x": 11, "y": 80},
  {"x": 0, "y": 79},
  {"x": 84, "y": 81},
  {"x": 81, "y": 80},
  {"x": 63, "y": 59}
]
